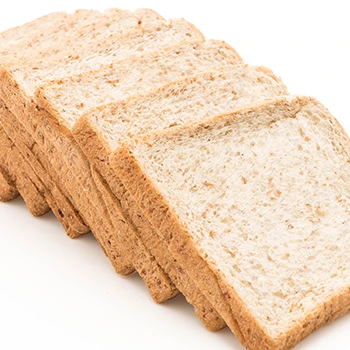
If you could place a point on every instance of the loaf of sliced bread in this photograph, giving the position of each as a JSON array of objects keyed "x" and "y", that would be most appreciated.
[
  {"x": 121, "y": 80},
  {"x": 160, "y": 109},
  {"x": 118, "y": 81},
  {"x": 76, "y": 24},
  {"x": 52, "y": 132},
  {"x": 253, "y": 205}
]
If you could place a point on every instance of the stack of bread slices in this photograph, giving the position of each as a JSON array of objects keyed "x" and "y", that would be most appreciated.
[{"x": 190, "y": 167}]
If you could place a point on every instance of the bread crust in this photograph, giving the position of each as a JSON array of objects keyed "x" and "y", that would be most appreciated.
[
  {"x": 37, "y": 168},
  {"x": 160, "y": 287},
  {"x": 8, "y": 190},
  {"x": 207, "y": 276},
  {"x": 17, "y": 173}
]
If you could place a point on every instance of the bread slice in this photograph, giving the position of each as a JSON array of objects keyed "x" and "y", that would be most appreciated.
[
  {"x": 14, "y": 42},
  {"x": 53, "y": 132},
  {"x": 8, "y": 150},
  {"x": 253, "y": 204},
  {"x": 99, "y": 130},
  {"x": 38, "y": 45}
]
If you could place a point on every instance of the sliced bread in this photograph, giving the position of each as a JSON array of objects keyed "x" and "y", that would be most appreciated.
[
  {"x": 35, "y": 45},
  {"x": 8, "y": 38},
  {"x": 14, "y": 43},
  {"x": 254, "y": 205},
  {"x": 99, "y": 131},
  {"x": 119, "y": 81},
  {"x": 53, "y": 132}
]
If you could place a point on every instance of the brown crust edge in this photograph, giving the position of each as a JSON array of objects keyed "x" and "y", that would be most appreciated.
[
  {"x": 17, "y": 175},
  {"x": 8, "y": 191},
  {"x": 13, "y": 95}
]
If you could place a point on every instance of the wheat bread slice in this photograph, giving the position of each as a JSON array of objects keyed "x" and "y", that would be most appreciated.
[
  {"x": 8, "y": 38},
  {"x": 15, "y": 42},
  {"x": 121, "y": 80},
  {"x": 54, "y": 28},
  {"x": 99, "y": 131},
  {"x": 53, "y": 133},
  {"x": 78, "y": 29},
  {"x": 78, "y": 25},
  {"x": 253, "y": 204}
]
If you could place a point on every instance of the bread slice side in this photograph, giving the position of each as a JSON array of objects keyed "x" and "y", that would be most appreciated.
[
  {"x": 160, "y": 287},
  {"x": 16, "y": 178},
  {"x": 220, "y": 256},
  {"x": 31, "y": 159}
]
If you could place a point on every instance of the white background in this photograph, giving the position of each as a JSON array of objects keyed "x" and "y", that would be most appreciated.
[{"x": 61, "y": 294}]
